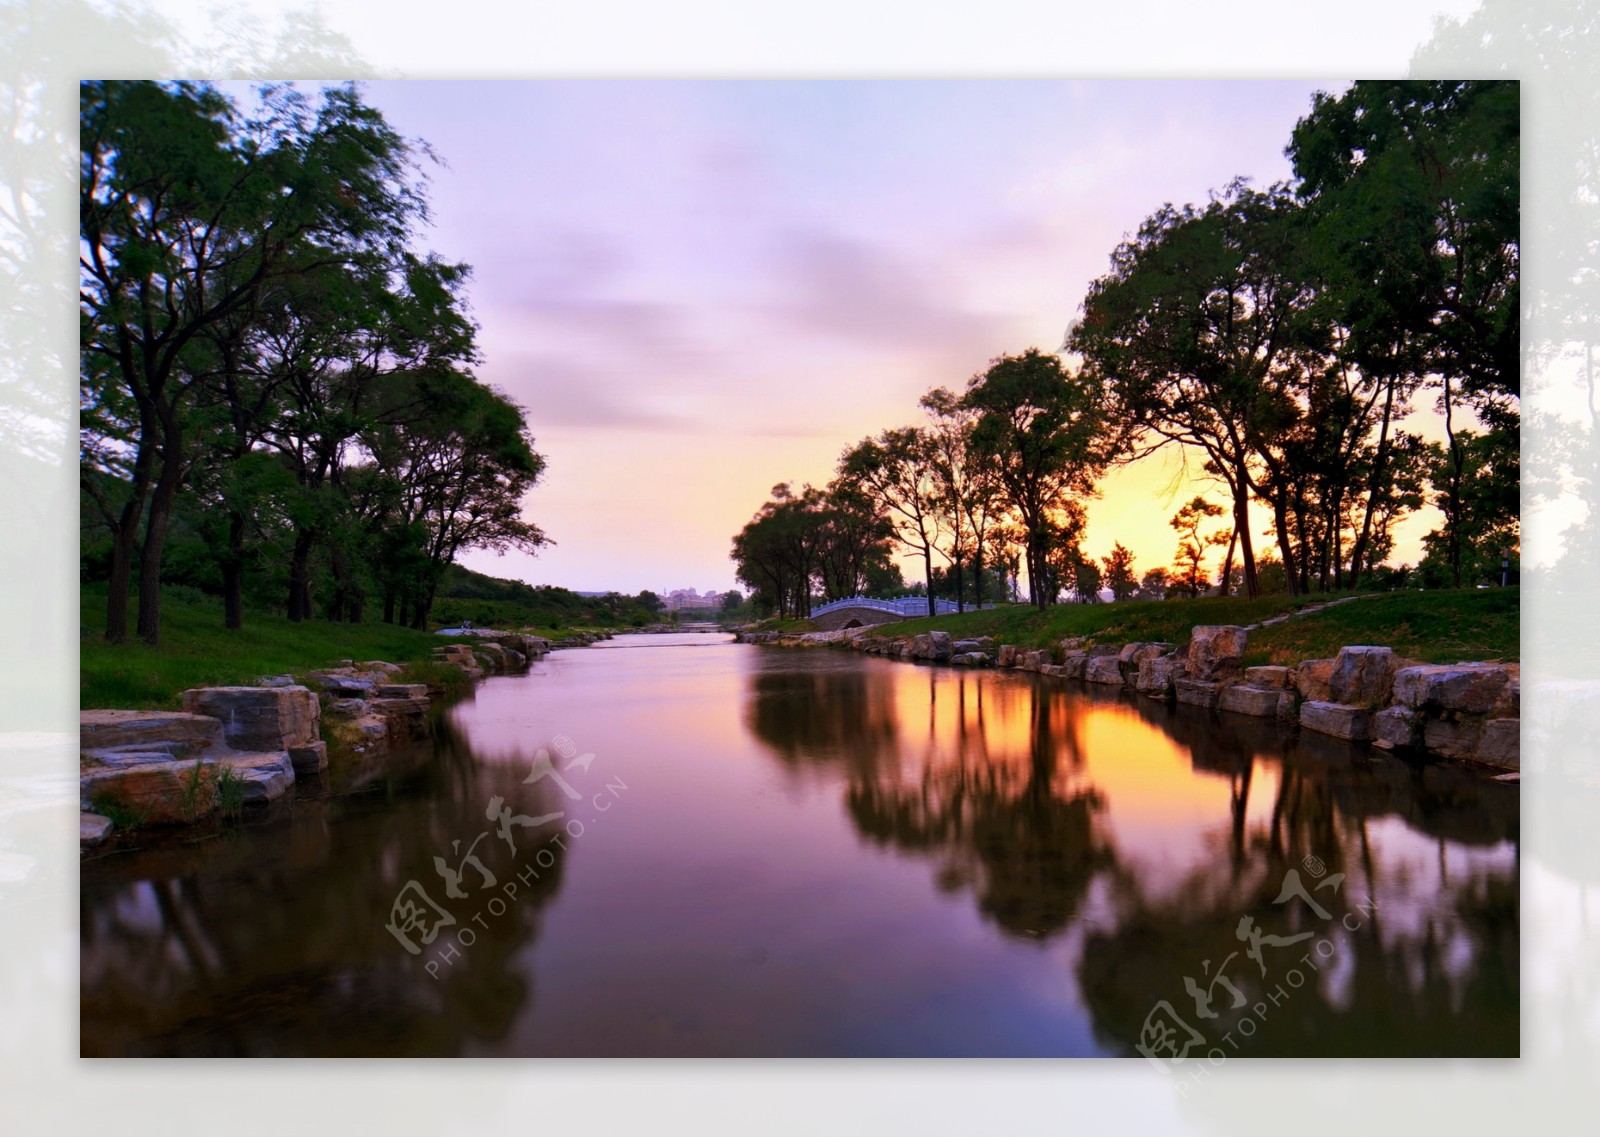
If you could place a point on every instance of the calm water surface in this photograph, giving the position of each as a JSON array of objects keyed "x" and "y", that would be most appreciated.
[{"x": 780, "y": 852}]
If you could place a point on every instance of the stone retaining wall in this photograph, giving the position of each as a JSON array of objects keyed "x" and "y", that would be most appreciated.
[
  {"x": 237, "y": 746},
  {"x": 1366, "y": 694}
]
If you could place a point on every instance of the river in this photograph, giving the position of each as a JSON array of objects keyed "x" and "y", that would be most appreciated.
[{"x": 681, "y": 846}]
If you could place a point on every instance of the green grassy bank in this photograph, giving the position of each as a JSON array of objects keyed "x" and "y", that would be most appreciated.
[
  {"x": 196, "y": 651},
  {"x": 1439, "y": 626}
]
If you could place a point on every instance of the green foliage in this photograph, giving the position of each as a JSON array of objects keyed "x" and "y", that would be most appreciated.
[
  {"x": 230, "y": 789},
  {"x": 196, "y": 651}
]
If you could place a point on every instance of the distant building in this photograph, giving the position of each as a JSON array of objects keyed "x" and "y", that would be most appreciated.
[{"x": 685, "y": 600}]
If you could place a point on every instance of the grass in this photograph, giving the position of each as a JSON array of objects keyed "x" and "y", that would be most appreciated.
[
  {"x": 1441, "y": 626},
  {"x": 196, "y": 651}
]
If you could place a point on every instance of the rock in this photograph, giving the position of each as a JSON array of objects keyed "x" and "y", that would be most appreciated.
[
  {"x": 962, "y": 646},
  {"x": 259, "y": 719},
  {"x": 985, "y": 644},
  {"x": 309, "y": 758},
  {"x": 941, "y": 645},
  {"x": 1197, "y": 693},
  {"x": 1268, "y": 676},
  {"x": 263, "y": 777},
  {"x": 383, "y": 666},
  {"x": 93, "y": 829},
  {"x": 182, "y": 733},
  {"x": 1216, "y": 651},
  {"x": 402, "y": 691},
  {"x": 1397, "y": 727},
  {"x": 1471, "y": 688},
  {"x": 158, "y": 794},
  {"x": 1008, "y": 656},
  {"x": 1052, "y": 670},
  {"x": 349, "y": 707},
  {"x": 1453, "y": 735},
  {"x": 1501, "y": 743},
  {"x": 137, "y": 756},
  {"x": 972, "y": 659},
  {"x": 1095, "y": 650},
  {"x": 1311, "y": 680},
  {"x": 1363, "y": 676},
  {"x": 1246, "y": 699},
  {"x": 1073, "y": 644},
  {"x": 285, "y": 681},
  {"x": 921, "y": 647},
  {"x": 1076, "y": 667},
  {"x": 1341, "y": 720},
  {"x": 1034, "y": 660},
  {"x": 1126, "y": 655},
  {"x": 1103, "y": 670},
  {"x": 343, "y": 686},
  {"x": 1156, "y": 676}
]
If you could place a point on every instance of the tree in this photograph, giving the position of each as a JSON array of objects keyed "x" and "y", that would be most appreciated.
[
  {"x": 187, "y": 214},
  {"x": 1415, "y": 186},
  {"x": 1119, "y": 575},
  {"x": 970, "y": 497},
  {"x": 897, "y": 470},
  {"x": 1153, "y": 586},
  {"x": 1196, "y": 332},
  {"x": 1043, "y": 431},
  {"x": 1191, "y": 577}
]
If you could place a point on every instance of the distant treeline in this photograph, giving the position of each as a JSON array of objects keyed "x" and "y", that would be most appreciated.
[
  {"x": 1279, "y": 336},
  {"x": 277, "y": 392}
]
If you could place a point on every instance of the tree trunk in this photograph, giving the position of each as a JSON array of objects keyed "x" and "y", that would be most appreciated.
[
  {"x": 977, "y": 577},
  {"x": 122, "y": 555},
  {"x": 1240, "y": 484},
  {"x": 927, "y": 572},
  {"x": 1452, "y": 514},
  {"x": 300, "y": 577},
  {"x": 233, "y": 573},
  {"x": 1227, "y": 564},
  {"x": 155, "y": 540},
  {"x": 1380, "y": 461}
]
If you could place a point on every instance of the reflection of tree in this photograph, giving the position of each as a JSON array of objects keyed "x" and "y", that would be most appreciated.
[
  {"x": 834, "y": 710},
  {"x": 270, "y": 938},
  {"x": 1428, "y": 974},
  {"x": 998, "y": 813}
]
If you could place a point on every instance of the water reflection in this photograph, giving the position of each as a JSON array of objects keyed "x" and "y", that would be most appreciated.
[
  {"x": 819, "y": 854},
  {"x": 269, "y": 938},
  {"x": 1029, "y": 795}
]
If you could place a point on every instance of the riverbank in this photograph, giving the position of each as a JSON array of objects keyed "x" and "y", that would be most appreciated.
[
  {"x": 197, "y": 651},
  {"x": 1467, "y": 711},
  {"x": 1434, "y": 627},
  {"x": 213, "y": 750}
]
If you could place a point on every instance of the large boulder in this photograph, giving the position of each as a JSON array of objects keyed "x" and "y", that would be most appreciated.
[
  {"x": 1197, "y": 693},
  {"x": 1103, "y": 670},
  {"x": 1501, "y": 744},
  {"x": 1341, "y": 720},
  {"x": 1312, "y": 680},
  {"x": 259, "y": 719},
  {"x": 1156, "y": 675},
  {"x": 1474, "y": 689},
  {"x": 179, "y": 733},
  {"x": 155, "y": 794},
  {"x": 1453, "y": 735},
  {"x": 262, "y": 777},
  {"x": 940, "y": 644},
  {"x": 1008, "y": 656},
  {"x": 1216, "y": 651},
  {"x": 1076, "y": 666},
  {"x": 1246, "y": 699},
  {"x": 1397, "y": 726},
  {"x": 1268, "y": 676},
  {"x": 1362, "y": 676}
]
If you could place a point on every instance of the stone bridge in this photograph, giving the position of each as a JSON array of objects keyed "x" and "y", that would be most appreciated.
[{"x": 855, "y": 612}]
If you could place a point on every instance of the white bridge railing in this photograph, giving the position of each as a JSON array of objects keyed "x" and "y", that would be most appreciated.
[{"x": 902, "y": 606}]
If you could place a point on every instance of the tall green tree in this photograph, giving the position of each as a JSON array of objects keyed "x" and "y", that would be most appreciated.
[
  {"x": 1415, "y": 188},
  {"x": 1044, "y": 433},
  {"x": 898, "y": 470}
]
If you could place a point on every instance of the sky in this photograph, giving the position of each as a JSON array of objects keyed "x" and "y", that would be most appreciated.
[{"x": 698, "y": 290}]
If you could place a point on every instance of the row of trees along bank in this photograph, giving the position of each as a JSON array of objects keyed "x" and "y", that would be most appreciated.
[
  {"x": 1281, "y": 335},
  {"x": 277, "y": 391}
]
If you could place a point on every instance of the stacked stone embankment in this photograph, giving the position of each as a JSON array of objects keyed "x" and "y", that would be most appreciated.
[
  {"x": 248, "y": 745},
  {"x": 1366, "y": 694}
]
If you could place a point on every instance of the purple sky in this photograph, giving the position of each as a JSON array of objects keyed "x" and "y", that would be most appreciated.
[{"x": 701, "y": 289}]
